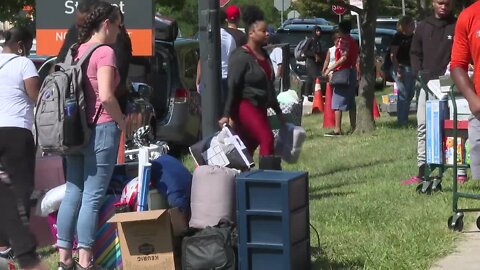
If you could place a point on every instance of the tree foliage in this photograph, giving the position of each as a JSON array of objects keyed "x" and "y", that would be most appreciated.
[{"x": 10, "y": 9}]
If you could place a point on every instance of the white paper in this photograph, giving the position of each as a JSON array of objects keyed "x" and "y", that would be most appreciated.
[{"x": 434, "y": 86}]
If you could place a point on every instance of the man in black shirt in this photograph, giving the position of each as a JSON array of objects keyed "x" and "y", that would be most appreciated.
[
  {"x": 401, "y": 67},
  {"x": 430, "y": 54},
  {"x": 233, "y": 18}
]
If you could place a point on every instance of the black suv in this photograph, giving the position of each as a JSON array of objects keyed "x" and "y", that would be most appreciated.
[
  {"x": 294, "y": 33},
  {"x": 314, "y": 21}
]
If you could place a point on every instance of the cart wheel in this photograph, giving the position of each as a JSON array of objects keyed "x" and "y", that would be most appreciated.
[
  {"x": 478, "y": 222},
  {"x": 420, "y": 189},
  {"x": 458, "y": 226}
]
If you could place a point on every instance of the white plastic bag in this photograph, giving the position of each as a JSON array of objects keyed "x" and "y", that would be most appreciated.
[
  {"x": 289, "y": 142},
  {"x": 224, "y": 149},
  {"x": 52, "y": 200}
]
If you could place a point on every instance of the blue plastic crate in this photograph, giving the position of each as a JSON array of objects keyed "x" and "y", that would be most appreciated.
[{"x": 273, "y": 220}]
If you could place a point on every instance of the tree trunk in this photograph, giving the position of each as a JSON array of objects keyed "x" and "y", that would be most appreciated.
[
  {"x": 365, "y": 121},
  {"x": 422, "y": 9}
]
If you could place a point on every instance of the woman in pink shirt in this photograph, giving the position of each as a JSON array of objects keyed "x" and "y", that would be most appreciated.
[{"x": 89, "y": 172}]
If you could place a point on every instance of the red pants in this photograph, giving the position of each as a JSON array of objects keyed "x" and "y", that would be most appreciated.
[{"x": 251, "y": 124}]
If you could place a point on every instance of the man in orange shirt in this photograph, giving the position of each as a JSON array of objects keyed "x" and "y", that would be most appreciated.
[{"x": 466, "y": 48}]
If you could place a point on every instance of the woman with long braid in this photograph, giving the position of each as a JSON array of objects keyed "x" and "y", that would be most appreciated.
[{"x": 89, "y": 172}]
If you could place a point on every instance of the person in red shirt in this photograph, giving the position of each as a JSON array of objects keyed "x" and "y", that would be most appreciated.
[
  {"x": 466, "y": 49},
  {"x": 343, "y": 98}
]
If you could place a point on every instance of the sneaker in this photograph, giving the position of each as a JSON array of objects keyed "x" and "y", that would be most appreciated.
[
  {"x": 412, "y": 181},
  {"x": 332, "y": 134},
  {"x": 461, "y": 179}
]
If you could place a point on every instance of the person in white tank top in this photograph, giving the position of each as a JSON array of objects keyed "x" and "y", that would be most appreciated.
[{"x": 330, "y": 57}]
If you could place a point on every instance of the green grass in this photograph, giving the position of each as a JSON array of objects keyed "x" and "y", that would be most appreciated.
[{"x": 365, "y": 219}]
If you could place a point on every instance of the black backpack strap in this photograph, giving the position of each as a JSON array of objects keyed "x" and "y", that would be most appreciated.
[{"x": 97, "y": 114}]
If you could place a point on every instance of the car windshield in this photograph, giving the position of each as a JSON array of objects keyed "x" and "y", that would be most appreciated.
[
  {"x": 387, "y": 24},
  {"x": 382, "y": 42},
  {"x": 320, "y": 21},
  {"x": 293, "y": 38}
]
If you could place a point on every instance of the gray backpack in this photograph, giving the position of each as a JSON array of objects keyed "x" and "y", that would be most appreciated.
[
  {"x": 60, "y": 116},
  {"x": 299, "y": 51}
]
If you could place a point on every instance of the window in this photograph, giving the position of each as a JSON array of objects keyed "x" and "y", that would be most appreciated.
[{"x": 191, "y": 60}]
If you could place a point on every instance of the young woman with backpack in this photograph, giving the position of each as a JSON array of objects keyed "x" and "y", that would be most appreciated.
[
  {"x": 90, "y": 169},
  {"x": 19, "y": 86}
]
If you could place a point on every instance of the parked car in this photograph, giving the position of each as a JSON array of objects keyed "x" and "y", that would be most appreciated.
[
  {"x": 314, "y": 21},
  {"x": 175, "y": 97},
  {"x": 387, "y": 22},
  {"x": 383, "y": 39},
  {"x": 172, "y": 73},
  {"x": 294, "y": 33}
]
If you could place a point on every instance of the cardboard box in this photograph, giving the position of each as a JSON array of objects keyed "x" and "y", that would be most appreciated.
[
  {"x": 145, "y": 240},
  {"x": 435, "y": 116},
  {"x": 449, "y": 148}
]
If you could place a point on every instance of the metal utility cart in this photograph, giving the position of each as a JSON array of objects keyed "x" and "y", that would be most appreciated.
[
  {"x": 451, "y": 128},
  {"x": 455, "y": 222},
  {"x": 432, "y": 182}
]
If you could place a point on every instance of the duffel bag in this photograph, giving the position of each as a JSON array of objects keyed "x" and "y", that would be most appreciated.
[{"x": 210, "y": 248}]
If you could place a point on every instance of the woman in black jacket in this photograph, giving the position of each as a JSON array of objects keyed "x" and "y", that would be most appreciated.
[
  {"x": 251, "y": 91},
  {"x": 313, "y": 53}
]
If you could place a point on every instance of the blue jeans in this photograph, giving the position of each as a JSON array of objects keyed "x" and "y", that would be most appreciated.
[
  {"x": 406, "y": 91},
  {"x": 88, "y": 176}
]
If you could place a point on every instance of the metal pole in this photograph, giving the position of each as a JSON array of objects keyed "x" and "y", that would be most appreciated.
[
  {"x": 281, "y": 12},
  {"x": 209, "y": 37},
  {"x": 403, "y": 7},
  {"x": 359, "y": 29}
]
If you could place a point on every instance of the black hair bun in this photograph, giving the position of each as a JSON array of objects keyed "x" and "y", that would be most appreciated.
[
  {"x": 7, "y": 35},
  {"x": 252, "y": 14}
]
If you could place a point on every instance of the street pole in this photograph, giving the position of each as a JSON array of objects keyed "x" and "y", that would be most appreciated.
[
  {"x": 209, "y": 37},
  {"x": 281, "y": 12},
  {"x": 359, "y": 28},
  {"x": 403, "y": 7}
]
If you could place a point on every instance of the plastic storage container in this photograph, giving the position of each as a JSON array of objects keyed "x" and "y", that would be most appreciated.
[{"x": 273, "y": 220}]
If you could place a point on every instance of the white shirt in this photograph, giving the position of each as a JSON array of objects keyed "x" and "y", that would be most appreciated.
[
  {"x": 16, "y": 108},
  {"x": 331, "y": 51},
  {"x": 276, "y": 57},
  {"x": 227, "y": 47}
]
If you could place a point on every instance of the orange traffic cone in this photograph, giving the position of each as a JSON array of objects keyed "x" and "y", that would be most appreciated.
[
  {"x": 328, "y": 113},
  {"x": 121, "y": 149},
  {"x": 376, "y": 112},
  {"x": 317, "y": 98}
]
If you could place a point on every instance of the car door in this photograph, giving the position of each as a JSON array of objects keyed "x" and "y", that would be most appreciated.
[{"x": 189, "y": 60}]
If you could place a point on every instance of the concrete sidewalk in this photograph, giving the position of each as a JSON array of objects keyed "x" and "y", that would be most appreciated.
[{"x": 466, "y": 255}]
